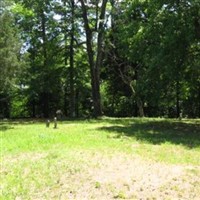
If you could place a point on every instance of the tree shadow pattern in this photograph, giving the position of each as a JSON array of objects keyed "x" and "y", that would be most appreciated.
[
  {"x": 158, "y": 132},
  {"x": 5, "y": 127},
  {"x": 9, "y": 124}
]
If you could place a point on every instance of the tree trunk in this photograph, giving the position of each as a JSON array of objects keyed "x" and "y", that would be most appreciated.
[
  {"x": 99, "y": 58},
  {"x": 66, "y": 103},
  {"x": 90, "y": 53},
  {"x": 138, "y": 101},
  {"x": 95, "y": 65},
  {"x": 177, "y": 99},
  {"x": 199, "y": 100},
  {"x": 77, "y": 103},
  {"x": 45, "y": 67},
  {"x": 71, "y": 73},
  {"x": 33, "y": 108},
  {"x": 45, "y": 100},
  {"x": 140, "y": 107}
]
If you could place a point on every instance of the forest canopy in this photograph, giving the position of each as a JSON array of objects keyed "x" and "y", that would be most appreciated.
[{"x": 100, "y": 57}]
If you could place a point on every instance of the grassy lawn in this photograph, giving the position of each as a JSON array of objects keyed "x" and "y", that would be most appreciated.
[{"x": 110, "y": 158}]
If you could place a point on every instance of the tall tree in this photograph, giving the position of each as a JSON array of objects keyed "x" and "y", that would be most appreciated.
[
  {"x": 10, "y": 46},
  {"x": 72, "y": 41},
  {"x": 95, "y": 54},
  {"x": 127, "y": 60},
  {"x": 41, "y": 32}
]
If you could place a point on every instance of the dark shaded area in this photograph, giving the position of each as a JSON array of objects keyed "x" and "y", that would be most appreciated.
[
  {"x": 5, "y": 127},
  {"x": 158, "y": 132},
  {"x": 8, "y": 123}
]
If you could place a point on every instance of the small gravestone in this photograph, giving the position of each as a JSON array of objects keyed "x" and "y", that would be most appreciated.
[
  {"x": 55, "y": 122},
  {"x": 48, "y": 123}
]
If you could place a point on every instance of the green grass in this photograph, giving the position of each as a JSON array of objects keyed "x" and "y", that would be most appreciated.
[
  {"x": 162, "y": 140},
  {"x": 34, "y": 157}
]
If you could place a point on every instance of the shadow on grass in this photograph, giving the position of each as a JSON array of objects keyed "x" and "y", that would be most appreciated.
[
  {"x": 158, "y": 132},
  {"x": 10, "y": 123},
  {"x": 13, "y": 122},
  {"x": 5, "y": 127}
]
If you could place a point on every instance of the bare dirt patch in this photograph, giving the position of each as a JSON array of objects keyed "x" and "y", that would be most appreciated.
[
  {"x": 122, "y": 176},
  {"x": 89, "y": 175},
  {"x": 23, "y": 157}
]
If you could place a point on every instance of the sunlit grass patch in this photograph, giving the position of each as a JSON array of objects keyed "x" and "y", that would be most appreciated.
[{"x": 101, "y": 157}]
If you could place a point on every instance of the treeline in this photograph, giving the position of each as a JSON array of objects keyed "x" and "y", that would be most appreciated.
[{"x": 100, "y": 57}]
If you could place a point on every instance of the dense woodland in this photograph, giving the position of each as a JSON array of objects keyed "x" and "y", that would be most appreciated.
[{"x": 99, "y": 57}]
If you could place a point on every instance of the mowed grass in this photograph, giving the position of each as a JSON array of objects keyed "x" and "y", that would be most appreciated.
[{"x": 73, "y": 161}]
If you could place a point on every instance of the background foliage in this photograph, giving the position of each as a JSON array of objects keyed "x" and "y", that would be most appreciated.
[{"x": 149, "y": 55}]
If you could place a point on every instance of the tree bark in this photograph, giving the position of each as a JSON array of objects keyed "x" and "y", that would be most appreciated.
[
  {"x": 177, "y": 98},
  {"x": 45, "y": 99},
  {"x": 33, "y": 108},
  {"x": 140, "y": 107},
  {"x": 198, "y": 114},
  {"x": 95, "y": 64},
  {"x": 66, "y": 53},
  {"x": 127, "y": 80},
  {"x": 71, "y": 72},
  {"x": 138, "y": 102}
]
